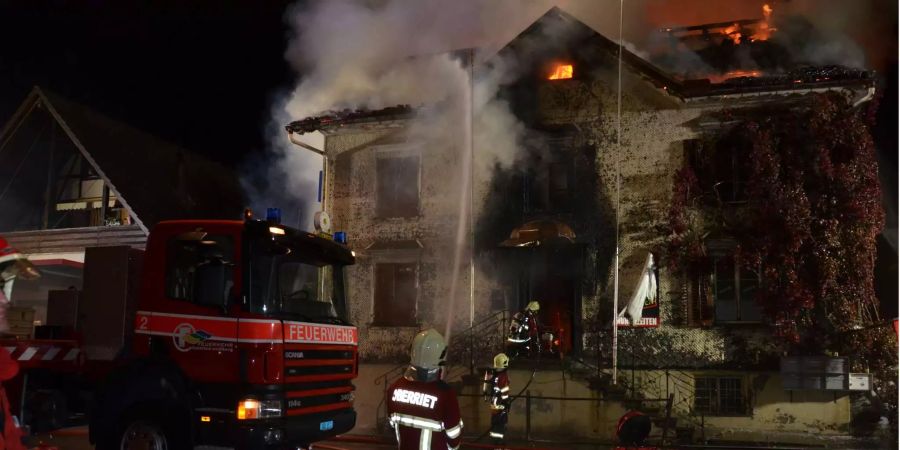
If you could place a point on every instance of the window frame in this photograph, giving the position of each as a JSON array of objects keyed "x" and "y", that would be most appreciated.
[
  {"x": 736, "y": 276},
  {"x": 397, "y": 152},
  {"x": 716, "y": 399},
  {"x": 228, "y": 242},
  {"x": 414, "y": 319}
]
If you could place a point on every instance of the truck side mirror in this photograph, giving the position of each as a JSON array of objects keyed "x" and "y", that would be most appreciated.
[{"x": 212, "y": 284}]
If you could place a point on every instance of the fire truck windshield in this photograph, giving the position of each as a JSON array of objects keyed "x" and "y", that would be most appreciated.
[{"x": 293, "y": 287}]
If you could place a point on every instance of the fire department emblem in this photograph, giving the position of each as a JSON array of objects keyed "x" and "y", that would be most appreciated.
[{"x": 186, "y": 336}]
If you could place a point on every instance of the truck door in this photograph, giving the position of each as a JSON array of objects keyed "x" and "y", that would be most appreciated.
[{"x": 191, "y": 320}]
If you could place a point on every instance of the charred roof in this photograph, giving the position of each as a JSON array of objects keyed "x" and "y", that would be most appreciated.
[{"x": 578, "y": 36}]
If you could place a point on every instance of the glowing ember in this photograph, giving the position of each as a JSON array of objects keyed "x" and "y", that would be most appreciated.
[
  {"x": 561, "y": 72},
  {"x": 734, "y": 33},
  {"x": 718, "y": 78}
]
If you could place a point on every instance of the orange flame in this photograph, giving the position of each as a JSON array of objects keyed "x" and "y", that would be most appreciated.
[
  {"x": 734, "y": 33},
  {"x": 765, "y": 29},
  {"x": 561, "y": 72},
  {"x": 718, "y": 78}
]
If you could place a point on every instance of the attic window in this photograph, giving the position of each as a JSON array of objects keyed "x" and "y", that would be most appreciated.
[{"x": 561, "y": 72}]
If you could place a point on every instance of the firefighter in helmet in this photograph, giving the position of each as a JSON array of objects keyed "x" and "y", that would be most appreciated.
[
  {"x": 524, "y": 332},
  {"x": 422, "y": 408},
  {"x": 496, "y": 392}
]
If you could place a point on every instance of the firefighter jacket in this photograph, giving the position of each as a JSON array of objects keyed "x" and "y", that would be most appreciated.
[
  {"x": 496, "y": 388},
  {"x": 424, "y": 416},
  {"x": 523, "y": 327}
]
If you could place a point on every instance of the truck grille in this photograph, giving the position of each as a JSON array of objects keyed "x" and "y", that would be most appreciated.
[{"x": 318, "y": 377}]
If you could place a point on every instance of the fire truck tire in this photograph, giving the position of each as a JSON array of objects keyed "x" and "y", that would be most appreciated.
[{"x": 148, "y": 428}]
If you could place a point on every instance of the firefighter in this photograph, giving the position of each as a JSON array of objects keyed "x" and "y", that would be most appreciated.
[
  {"x": 422, "y": 408},
  {"x": 496, "y": 390},
  {"x": 524, "y": 332},
  {"x": 12, "y": 265}
]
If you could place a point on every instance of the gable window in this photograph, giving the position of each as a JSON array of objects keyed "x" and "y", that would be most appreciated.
[
  {"x": 188, "y": 258},
  {"x": 561, "y": 72},
  {"x": 719, "y": 396},
  {"x": 397, "y": 186},
  {"x": 395, "y": 294},
  {"x": 734, "y": 291}
]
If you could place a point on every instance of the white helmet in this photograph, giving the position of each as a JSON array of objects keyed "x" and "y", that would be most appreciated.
[
  {"x": 533, "y": 306},
  {"x": 501, "y": 361},
  {"x": 428, "y": 350}
]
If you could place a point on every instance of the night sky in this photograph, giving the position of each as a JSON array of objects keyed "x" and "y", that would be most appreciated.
[{"x": 200, "y": 74}]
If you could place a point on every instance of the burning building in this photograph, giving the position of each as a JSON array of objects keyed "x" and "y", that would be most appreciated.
[{"x": 546, "y": 225}]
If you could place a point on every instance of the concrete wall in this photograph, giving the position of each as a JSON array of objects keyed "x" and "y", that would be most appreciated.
[
  {"x": 775, "y": 415},
  {"x": 353, "y": 206}
]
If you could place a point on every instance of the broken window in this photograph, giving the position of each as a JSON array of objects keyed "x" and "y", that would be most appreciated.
[
  {"x": 719, "y": 396},
  {"x": 395, "y": 294},
  {"x": 734, "y": 291},
  {"x": 397, "y": 186}
]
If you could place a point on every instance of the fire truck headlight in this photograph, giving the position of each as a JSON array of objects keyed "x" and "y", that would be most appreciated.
[{"x": 258, "y": 409}]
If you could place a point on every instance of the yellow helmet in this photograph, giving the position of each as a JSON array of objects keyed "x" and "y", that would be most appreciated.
[
  {"x": 533, "y": 306},
  {"x": 501, "y": 361},
  {"x": 428, "y": 350}
]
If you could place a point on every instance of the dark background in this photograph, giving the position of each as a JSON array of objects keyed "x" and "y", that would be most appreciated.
[
  {"x": 202, "y": 74},
  {"x": 199, "y": 74}
]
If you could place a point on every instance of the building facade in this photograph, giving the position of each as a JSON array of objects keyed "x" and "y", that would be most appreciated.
[{"x": 547, "y": 228}]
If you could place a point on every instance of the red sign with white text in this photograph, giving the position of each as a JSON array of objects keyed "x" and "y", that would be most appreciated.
[{"x": 310, "y": 333}]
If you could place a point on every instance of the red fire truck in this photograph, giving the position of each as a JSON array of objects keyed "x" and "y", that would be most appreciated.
[{"x": 240, "y": 339}]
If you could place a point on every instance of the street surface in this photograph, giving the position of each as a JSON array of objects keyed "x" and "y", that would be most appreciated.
[{"x": 77, "y": 439}]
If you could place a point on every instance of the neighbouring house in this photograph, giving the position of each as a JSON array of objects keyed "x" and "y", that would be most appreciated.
[
  {"x": 72, "y": 178},
  {"x": 545, "y": 228}
]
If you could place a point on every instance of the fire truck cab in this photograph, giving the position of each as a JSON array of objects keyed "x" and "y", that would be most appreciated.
[{"x": 240, "y": 339}]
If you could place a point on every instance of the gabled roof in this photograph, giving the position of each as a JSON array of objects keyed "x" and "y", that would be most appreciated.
[
  {"x": 571, "y": 32},
  {"x": 153, "y": 179},
  {"x": 559, "y": 30}
]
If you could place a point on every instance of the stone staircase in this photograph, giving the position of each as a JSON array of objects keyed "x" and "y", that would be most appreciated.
[{"x": 671, "y": 411}]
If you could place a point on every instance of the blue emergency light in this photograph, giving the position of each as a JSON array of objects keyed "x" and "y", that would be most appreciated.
[
  {"x": 273, "y": 216},
  {"x": 340, "y": 237}
]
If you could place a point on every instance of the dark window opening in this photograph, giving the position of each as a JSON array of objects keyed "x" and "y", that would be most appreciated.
[
  {"x": 186, "y": 258},
  {"x": 719, "y": 396},
  {"x": 722, "y": 171},
  {"x": 734, "y": 291},
  {"x": 549, "y": 188},
  {"x": 397, "y": 186},
  {"x": 395, "y": 294}
]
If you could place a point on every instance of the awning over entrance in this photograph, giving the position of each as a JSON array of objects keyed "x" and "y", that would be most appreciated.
[{"x": 540, "y": 232}]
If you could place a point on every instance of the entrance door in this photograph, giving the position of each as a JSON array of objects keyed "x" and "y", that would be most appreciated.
[{"x": 553, "y": 277}]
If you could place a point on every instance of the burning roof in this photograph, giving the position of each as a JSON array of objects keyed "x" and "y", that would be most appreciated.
[
  {"x": 337, "y": 119},
  {"x": 739, "y": 58}
]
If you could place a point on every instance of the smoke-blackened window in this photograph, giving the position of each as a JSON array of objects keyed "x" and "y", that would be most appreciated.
[{"x": 397, "y": 186}]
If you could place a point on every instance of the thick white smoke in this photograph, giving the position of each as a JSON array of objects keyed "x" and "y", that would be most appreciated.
[{"x": 369, "y": 54}]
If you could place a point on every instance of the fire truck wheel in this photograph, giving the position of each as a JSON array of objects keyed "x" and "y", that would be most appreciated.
[{"x": 147, "y": 429}]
